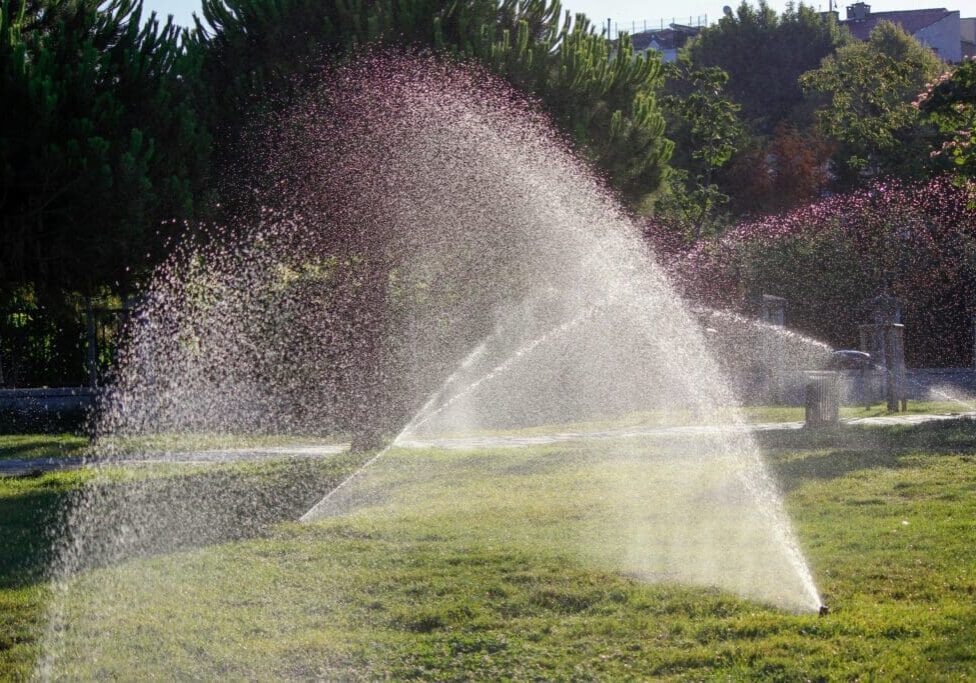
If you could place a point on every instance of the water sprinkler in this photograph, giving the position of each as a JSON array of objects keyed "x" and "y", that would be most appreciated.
[{"x": 824, "y": 610}]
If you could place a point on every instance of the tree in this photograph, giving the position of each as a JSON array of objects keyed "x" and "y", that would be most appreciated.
[
  {"x": 950, "y": 104},
  {"x": 866, "y": 91},
  {"x": 705, "y": 128},
  {"x": 764, "y": 54},
  {"x": 778, "y": 173},
  {"x": 98, "y": 144},
  {"x": 258, "y": 55},
  {"x": 260, "y": 58}
]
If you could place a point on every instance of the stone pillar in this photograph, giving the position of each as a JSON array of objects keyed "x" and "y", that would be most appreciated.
[
  {"x": 772, "y": 310},
  {"x": 884, "y": 338}
]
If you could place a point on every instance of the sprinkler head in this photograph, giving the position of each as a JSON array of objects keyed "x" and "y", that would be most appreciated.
[{"x": 824, "y": 610}]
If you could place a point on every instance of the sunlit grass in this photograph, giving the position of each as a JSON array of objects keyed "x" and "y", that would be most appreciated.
[{"x": 886, "y": 517}]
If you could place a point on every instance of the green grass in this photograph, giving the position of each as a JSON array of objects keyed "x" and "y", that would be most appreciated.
[
  {"x": 27, "y": 446},
  {"x": 887, "y": 517}
]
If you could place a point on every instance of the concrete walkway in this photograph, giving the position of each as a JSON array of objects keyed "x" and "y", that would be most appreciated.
[
  {"x": 211, "y": 457},
  {"x": 15, "y": 468}
]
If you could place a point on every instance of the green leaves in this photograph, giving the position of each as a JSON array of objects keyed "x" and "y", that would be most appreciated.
[
  {"x": 597, "y": 91},
  {"x": 950, "y": 105},
  {"x": 764, "y": 53},
  {"x": 707, "y": 131},
  {"x": 103, "y": 142},
  {"x": 866, "y": 91}
]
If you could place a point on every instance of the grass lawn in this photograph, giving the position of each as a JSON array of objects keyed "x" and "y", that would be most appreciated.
[{"x": 886, "y": 516}]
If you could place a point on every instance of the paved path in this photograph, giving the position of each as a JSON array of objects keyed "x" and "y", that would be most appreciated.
[
  {"x": 691, "y": 430},
  {"x": 41, "y": 465},
  {"x": 211, "y": 457}
]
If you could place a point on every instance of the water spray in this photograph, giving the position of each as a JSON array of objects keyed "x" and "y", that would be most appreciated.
[{"x": 423, "y": 416}]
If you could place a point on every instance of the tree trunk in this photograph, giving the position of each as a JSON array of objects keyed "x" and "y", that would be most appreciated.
[{"x": 369, "y": 388}]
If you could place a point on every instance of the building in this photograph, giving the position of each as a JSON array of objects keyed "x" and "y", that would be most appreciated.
[
  {"x": 968, "y": 29},
  {"x": 667, "y": 41},
  {"x": 940, "y": 29}
]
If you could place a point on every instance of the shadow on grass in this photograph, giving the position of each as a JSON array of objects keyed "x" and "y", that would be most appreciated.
[
  {"x": 154, "y": 513},
  {"x": 28, "y": 446},
  {"x": 839, "y": 451},
  {"x": 25, "y": 518}
]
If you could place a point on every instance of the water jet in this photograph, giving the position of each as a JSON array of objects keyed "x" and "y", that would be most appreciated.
[{"x": 432, "y": 216}]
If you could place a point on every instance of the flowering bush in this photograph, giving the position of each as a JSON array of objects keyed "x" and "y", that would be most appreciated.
[{"x": 916, "y": 242}]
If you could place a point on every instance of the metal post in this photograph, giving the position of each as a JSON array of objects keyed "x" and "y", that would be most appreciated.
[
  {"x": 974, "y": 342},
  {"x": 92, "y": 359},
  {"x": 891, "y": 384},
  {"x": 897, "y": 342},
  {"x": 868, "y": 346},
  {"x": 886, "y": 341},
  {"x": 894, "y": 355}
]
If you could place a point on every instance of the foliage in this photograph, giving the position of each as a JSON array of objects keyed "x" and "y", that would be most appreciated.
[
  {"x": 779, "y": 173},
  {"x": 764, "y": 54},
  {"x": 916, "y": 242},
  {"x": 950, "y": 104},
  {"x": 259, "y": 54},
  {"x": 867, "y": 90},
  {"x": 98, "y": 144},
  {"x": 705, "y": 128}
]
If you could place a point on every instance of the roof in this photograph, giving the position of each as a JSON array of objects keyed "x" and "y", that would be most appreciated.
[
  {"x": 673, "y": 37},
  {"x": 912, "y": 21}
]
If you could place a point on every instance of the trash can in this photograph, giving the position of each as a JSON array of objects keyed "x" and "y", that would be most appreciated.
[{"x": 822, "y": 399}]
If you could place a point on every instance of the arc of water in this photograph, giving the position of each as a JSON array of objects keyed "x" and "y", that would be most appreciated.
[
  {"x": 946, "y": 396},
  {"x": 503, "y": 367},
  {"x": 466, "y": 363},
  {"x": 420, "y": 418}
]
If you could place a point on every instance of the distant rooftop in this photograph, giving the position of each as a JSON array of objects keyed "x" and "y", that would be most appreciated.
[
  {"x": 861, "y": 20},
  {"x": 670, "y": 38}
]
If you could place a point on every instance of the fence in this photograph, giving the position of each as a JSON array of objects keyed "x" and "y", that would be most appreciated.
[
  {"x": 641, "y": 25},
  {"x": 68, "y": 347}
]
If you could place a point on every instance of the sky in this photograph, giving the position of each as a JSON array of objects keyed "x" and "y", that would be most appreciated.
[{"x": 632, "y": 13}]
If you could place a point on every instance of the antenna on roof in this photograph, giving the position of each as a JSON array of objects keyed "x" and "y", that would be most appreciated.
[{"x": 727, "y": 11}]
